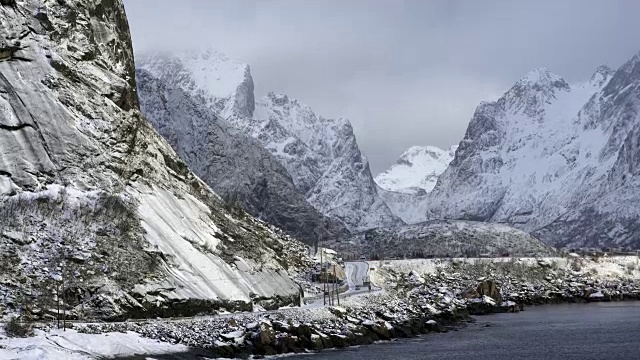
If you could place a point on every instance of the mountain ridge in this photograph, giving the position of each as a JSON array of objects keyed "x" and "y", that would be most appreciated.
[
  {"x": 321, "y": 155},
  {"x": 545, "y": 151},
  {"x": 235, "y": 165}
]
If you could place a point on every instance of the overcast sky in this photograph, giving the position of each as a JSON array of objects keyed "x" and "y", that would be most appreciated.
[{"x": 404, "y": 72}]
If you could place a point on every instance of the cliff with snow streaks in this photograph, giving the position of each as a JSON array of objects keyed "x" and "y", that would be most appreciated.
[{"x": 93, "y": 197}]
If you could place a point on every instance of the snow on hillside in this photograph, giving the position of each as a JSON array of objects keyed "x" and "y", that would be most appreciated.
[
  {"x": 418, "y": 168},
  {"x": 542, "y": 155},
  {"x": 335, "y": 174},
  {"x": 604, "y": 269},
  {"x": 450, "y": 239},
  {"x": 519, "y": 150},
  {"x": 235, "y": 165},
  {"x": 410, "y": 207},
  {"x": 176, "y": 228}
]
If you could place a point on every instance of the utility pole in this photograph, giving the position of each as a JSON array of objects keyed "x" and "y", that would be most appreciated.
[
  {"x": 324, "y": 287},
  {"x": 58, "y": 301},
  {"x": 64, "y": 297},
  {"x": 335, "y": 280},
  {"x": 333, "y": 287},
  {"x": 329, "y": 285}
]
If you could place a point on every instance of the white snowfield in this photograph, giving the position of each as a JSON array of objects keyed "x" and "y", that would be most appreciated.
[{"x": 71, "y": 345}]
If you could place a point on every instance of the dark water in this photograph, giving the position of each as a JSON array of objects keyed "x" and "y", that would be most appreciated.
[{"x": 581, "y": 332}]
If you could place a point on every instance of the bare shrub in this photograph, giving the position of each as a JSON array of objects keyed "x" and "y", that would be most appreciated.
[{"x": 17, "y": 328}]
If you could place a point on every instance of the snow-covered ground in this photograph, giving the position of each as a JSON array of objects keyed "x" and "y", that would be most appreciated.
[
  {"x": 71, "y": 345},
  {"x": 444, "y": 239}
]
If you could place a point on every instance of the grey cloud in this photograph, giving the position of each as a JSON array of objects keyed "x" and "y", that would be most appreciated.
[{"x": 405, "y": 72}]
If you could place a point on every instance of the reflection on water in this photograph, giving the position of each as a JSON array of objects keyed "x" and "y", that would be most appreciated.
[{"x": 564, "y": 332}]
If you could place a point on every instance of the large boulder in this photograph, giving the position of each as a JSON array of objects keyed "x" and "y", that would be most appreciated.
[{"x": 489, "y": 288}]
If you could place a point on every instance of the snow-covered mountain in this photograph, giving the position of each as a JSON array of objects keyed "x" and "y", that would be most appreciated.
[
  {"x": 235, "y": 165},
  {"x": 324, "y": 159},
  {"x": 321, "y": 155},
  {"x": 417, "y": 170},
  {"x": 554, "y": 159},
  {"x": 405, "y": 185},
  {"x": 209, "y": 76},
  {"x": 94, "y": 201}
]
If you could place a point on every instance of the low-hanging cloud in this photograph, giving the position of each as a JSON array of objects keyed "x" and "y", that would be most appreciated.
[{"x": 404, "y": 72}]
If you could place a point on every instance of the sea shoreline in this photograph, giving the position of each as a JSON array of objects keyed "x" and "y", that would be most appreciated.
[{"x": 413, "y": 303}]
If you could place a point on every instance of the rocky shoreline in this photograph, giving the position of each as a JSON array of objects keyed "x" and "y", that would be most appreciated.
[{"x": 412, "y": 304}]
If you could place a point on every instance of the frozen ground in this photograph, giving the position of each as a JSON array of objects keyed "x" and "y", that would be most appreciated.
[{"x": 71, "y": 345}]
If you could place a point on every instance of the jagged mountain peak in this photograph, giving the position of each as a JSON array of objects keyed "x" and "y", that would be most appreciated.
[
  {"x": 300, "y": 121},
  {"x": 602, "y": 74},
  {"x": 277, "y": 98},
  {"x": 541, "y": 76},
  {"x": 323, "y": 156},
  {"x": 534, "y": 91},
  {"x": 209, "y": 75},
  {"x": 212, "y": 147},
  {"x": 417, "y": 169}
]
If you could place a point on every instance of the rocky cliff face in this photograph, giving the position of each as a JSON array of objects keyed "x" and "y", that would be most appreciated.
[
  {"x": 335, "y": 175},
  {"x": 445, "y": 239},
  {"x": 610, "y": 215},
  {"x": 321, "y": 155},
  {"x": 553, "y": 159},
  {"x": 236, "y": 166},
  {"x": 94, "y": 197}
]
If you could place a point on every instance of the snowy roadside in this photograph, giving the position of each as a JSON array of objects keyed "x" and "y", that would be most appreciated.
[
  {"x": 71, "y": 345},
  {"x": 419, "y": 296}
]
